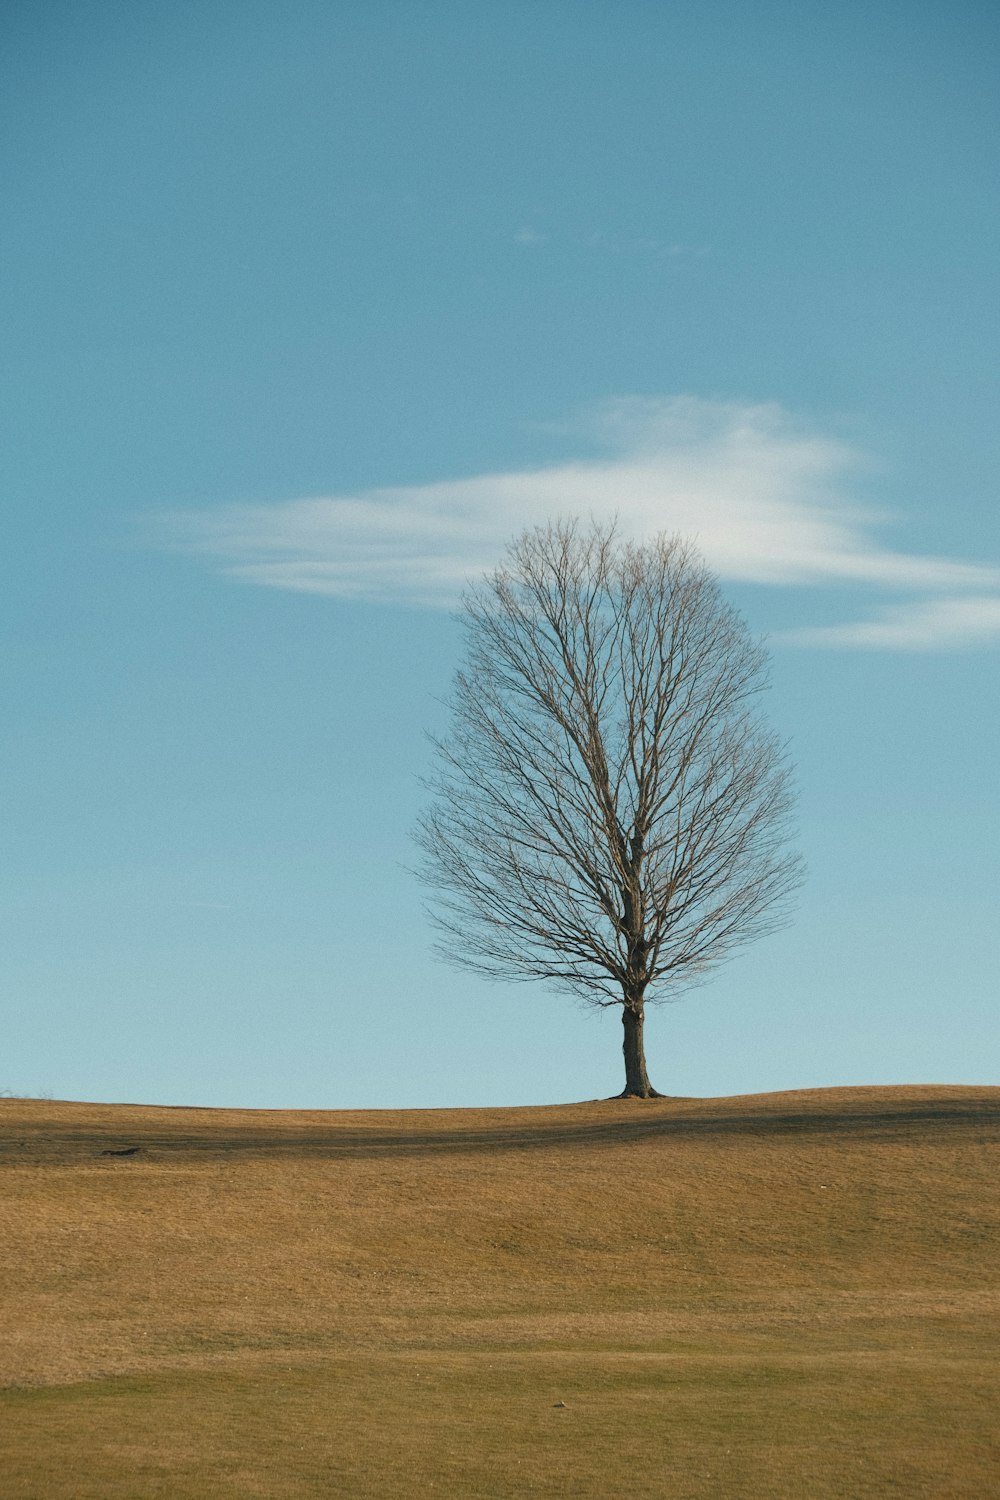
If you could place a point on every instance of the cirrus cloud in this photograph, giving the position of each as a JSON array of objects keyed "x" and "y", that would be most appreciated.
[{"x": 766, "y": 499}]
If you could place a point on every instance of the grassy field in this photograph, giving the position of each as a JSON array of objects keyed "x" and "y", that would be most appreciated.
[{"x": 785, "y": 1295}]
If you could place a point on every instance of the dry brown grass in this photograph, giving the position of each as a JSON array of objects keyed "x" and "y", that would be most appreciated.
[{"x": 786, "y": 1295}]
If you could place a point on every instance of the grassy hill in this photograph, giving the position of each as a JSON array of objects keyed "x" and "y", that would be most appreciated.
[{"x": 784, "y": 1295}]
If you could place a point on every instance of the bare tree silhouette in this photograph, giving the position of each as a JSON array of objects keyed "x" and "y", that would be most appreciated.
[{"x": 609, "y": 810}]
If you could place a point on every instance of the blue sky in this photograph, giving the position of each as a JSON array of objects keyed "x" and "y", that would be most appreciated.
[{"x": 307, "y": 309}]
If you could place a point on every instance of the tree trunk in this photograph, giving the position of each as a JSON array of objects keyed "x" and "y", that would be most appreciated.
[{"x": 637, "y": 1084}]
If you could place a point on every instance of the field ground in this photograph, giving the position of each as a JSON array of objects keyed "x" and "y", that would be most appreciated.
[{"x": 791, "y": 1295}]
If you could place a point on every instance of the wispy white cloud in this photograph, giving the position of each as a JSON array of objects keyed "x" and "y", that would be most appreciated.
[
  {"x": 922, "y": 625},
  {"x": 766, "y": 499},
  {"x": 646, "y": 245}
]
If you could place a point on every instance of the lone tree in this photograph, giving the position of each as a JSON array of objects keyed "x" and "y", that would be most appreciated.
[{"x": 609, "y": 810}]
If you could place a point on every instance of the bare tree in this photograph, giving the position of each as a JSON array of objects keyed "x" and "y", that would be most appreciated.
[{"x": 609, "y": 812}]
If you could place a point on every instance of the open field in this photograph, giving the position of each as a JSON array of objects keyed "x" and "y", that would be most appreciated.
[{"x": 785, "y": 1295}]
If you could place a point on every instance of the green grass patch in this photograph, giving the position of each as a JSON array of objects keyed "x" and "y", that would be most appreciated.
[{"x": 685, "y": 1426}]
